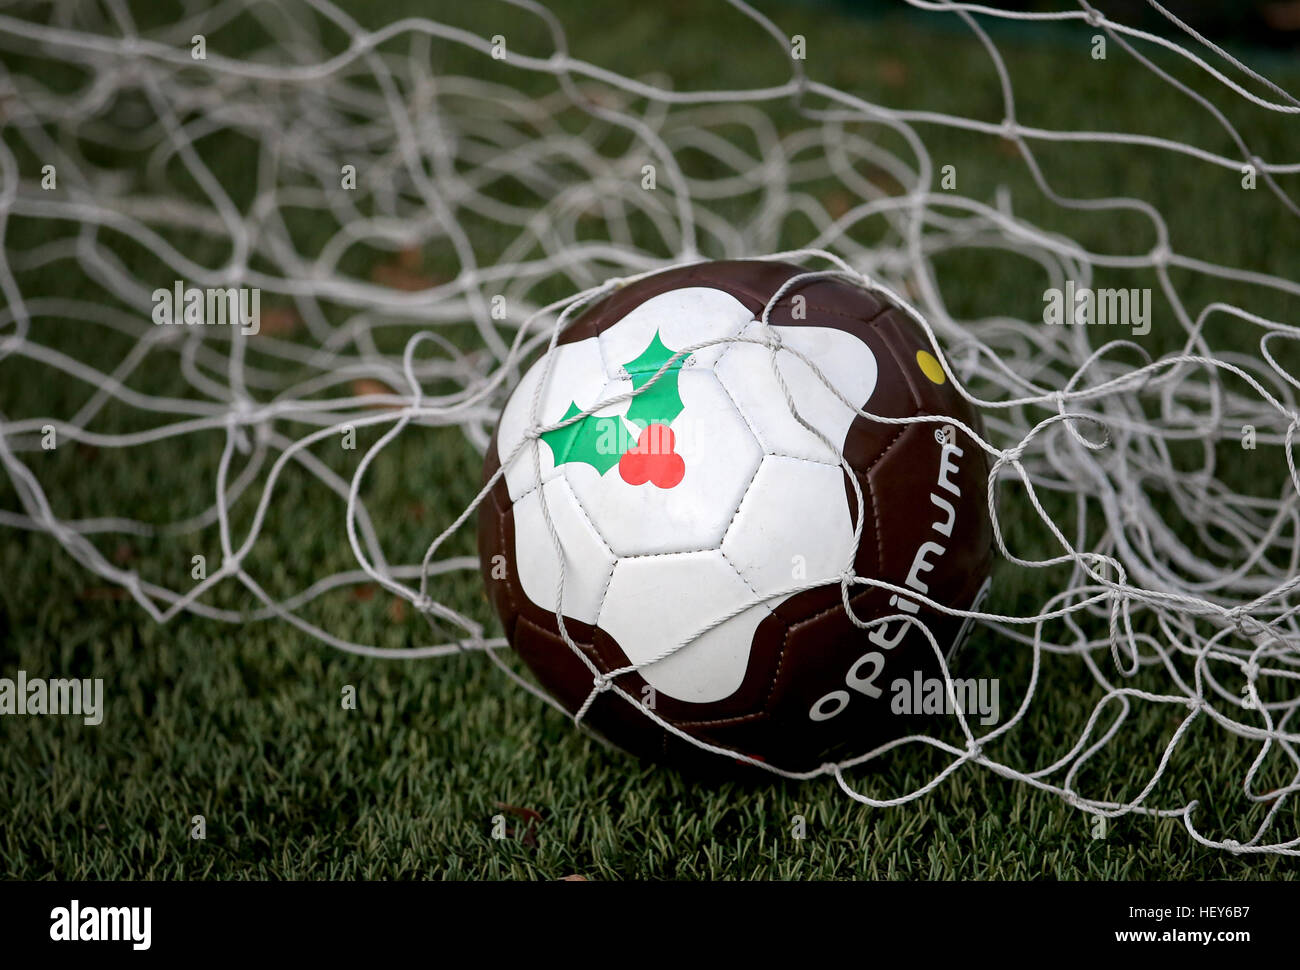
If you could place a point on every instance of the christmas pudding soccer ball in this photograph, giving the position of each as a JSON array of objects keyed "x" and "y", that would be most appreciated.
[{"x": 704, "y": 529}]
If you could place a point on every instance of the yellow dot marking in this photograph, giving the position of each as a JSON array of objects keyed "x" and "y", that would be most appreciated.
[{"x": 930, "y": 367}]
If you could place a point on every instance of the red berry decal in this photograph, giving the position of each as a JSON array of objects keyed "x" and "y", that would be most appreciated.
[{"x": 653, "y": 459}]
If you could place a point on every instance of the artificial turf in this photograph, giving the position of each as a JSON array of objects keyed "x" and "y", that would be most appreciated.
[{"x": 243, "y": 724}]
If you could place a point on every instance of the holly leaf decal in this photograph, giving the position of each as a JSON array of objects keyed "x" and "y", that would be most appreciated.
[
  {"x": 595, "y": 441},
  {"x": 601, "y": 441},
  {"x": 662, "y": 401}
]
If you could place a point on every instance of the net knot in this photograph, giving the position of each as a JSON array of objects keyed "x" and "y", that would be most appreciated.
[
  {"x": 1243, "y": 622},
  {"x": 1128, "y": 506},
  {"x": 1094, "y": 17},
  {"x": 601, "y": 683}
]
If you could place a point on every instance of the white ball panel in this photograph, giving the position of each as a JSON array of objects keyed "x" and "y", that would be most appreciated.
[
  {"x": 721, "y": 456},
  {"x": 793, "y": 508},
  {"x": 844, "y": 360},
  {"x": 683, "y": 318},
  {"x": 587, "y": 561},
  {"x": 657, "y": 602}
]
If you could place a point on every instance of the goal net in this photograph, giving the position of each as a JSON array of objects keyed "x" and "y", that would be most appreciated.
[{"x": 418, "y": 207}]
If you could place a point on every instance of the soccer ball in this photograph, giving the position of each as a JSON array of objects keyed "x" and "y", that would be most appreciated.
[{"x": 704, "y": 526}]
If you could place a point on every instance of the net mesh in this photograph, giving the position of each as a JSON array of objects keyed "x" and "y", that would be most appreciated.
[{"x": 1168, "y": 580}]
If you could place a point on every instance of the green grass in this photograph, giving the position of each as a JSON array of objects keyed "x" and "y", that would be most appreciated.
[{"x": 243, "y": 725}]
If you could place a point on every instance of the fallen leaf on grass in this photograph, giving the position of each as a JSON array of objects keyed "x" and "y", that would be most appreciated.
[
  {"x": 368, "y": 387},
  {"x": 403, "y": 272},
  {"x": 1282, "y": 16},
  {"x": 103, "y": 593},
  {"x": 837, "y": 203},
  {"x": 279, "y": 321},
  {"x": 397, "y": 610},
  {"x": 893, "y": 72},
  {"x": 531, "y": 820}
]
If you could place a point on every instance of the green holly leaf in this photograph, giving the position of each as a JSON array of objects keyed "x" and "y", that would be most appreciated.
[
  {"x": 601, "y": 441},
  {"x": 595, "y": 441},
  {"x": 662, "y": 401}
]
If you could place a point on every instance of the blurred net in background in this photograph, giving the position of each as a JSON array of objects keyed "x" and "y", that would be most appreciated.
[{"x": 285, "y": 149}]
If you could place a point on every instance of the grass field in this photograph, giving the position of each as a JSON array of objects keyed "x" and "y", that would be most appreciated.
[{"x": 242, "y": 724}]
